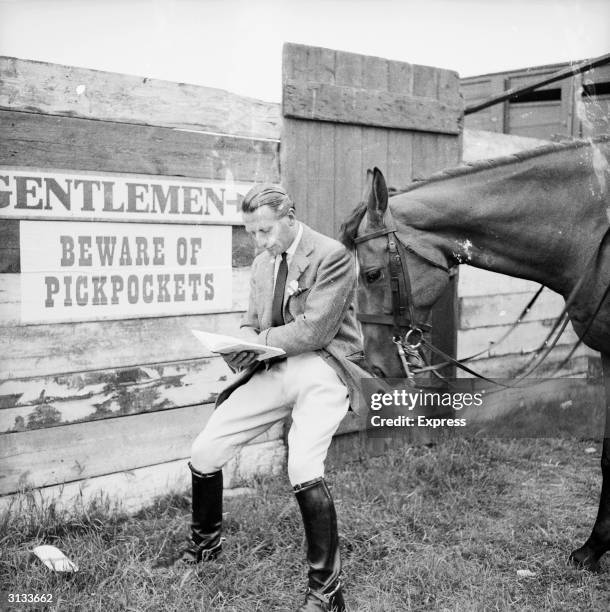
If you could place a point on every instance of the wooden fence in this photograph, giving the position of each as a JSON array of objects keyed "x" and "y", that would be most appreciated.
[{"x": 103, "y": 396}]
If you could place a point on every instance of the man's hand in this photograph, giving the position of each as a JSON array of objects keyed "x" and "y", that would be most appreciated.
[{"x": 241, "y": 360}]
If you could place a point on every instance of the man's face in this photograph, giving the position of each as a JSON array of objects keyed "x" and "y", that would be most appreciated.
[{"x": 270, "y": 232}]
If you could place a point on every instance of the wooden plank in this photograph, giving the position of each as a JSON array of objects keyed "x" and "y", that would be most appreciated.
[
  {"x": 425, "y": 85},
  {"x": 9, "y": 246},
  {"x": 480, "y": 121},
  {"x": 481, "y": 311},
  {"x": 359, "y": 106},
  {"x": 474, "y": 89},
  {"x": 81, "y": 92},
  {"x": 11, "y": 303},
  {"x": 51, "y": 401},
  {"x": 534, "y": 114},
  {"x": 374, "y": 139},
  {"x": 243, "y": 249},
  {"x": 70, "y": 453},
  {"x": 475, "y": 281},
  {"x": 529, "y": 337},
  {"x": 137, "y": 488},
  {"x": 449, "y": 148},
  {"x": 45, "y": 350},
  {"x": 400, "y": 143},
  {"x": 498, "y": 113},
  {"x": 293, "y": 152},
  {"x": 320, "y": 175},
  {"x": 85, "y": 144},
  {"x": 349, "y": 179}
]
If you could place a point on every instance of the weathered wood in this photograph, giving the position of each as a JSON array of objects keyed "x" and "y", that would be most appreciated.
[
  {"x": 399, "y": 169},
  {"x": 294, "y": 149},
  {"x": 45, "y": 141},
  {"x": 50, "y": 401},
  {"x": 56, "y": 455},
  {"x": 374, "y": 139},
  {"x": 45, "y": 350},
  {"x": 482, "y": 311},
  {"x": 95, "y": 94},
  {"x": 348, "y": 146},
  {"x": 530, "y": 336},
  {"x": 134, "y": 489},
  {"x": 320, "y": 153},
  {"x": 356, "y": 147},
  {"x": 360, "y": 106}
]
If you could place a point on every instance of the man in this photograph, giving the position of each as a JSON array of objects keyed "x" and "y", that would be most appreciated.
[{"x": 301, "y": 292}]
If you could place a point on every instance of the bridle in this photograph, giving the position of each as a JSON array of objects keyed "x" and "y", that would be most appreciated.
[
  {"x": 407, "y": 332},
  {"x": 408, "y": 343}
]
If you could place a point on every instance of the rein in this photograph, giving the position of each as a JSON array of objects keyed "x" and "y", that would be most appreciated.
[{"x": 409, "y": 343}]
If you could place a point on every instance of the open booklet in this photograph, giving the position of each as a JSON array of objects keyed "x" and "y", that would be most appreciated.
[{"x": 219, "y": 343}]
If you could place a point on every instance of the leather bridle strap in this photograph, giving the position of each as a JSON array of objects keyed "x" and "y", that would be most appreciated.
[
  {"x": 375, "y": 234},
  {"x": 400, "y": 286}
]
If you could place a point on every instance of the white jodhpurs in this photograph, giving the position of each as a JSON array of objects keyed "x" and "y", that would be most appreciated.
[{"x": 303, "y": 386}]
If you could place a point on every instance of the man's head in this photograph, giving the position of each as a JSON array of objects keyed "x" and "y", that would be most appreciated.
[{"x": 269, "y": 217}]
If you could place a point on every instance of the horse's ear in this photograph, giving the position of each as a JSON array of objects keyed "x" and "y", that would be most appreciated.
[
  {"x": 368, "y": 185},
  {"x": 377, "y": 201}
]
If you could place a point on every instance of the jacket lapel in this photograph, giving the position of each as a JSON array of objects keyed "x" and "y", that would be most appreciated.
[{"x": 298, "y": 265}]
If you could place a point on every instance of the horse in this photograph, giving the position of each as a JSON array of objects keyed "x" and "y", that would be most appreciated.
[{"x": 541, "y": 215}]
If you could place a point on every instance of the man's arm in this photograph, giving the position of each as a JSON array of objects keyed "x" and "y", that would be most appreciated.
[{"x": 326, "y": 305}]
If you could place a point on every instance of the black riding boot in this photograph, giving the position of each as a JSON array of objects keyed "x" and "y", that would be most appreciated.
[
  {"x": 320, "y": 522},
  {"x": 206, "y": 524}
]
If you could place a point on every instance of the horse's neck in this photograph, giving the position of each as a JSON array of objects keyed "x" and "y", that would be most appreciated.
[{"x": 537, "y": 219}]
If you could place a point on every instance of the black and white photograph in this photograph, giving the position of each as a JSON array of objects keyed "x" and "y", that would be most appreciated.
[{"x": 305, "y": 305}]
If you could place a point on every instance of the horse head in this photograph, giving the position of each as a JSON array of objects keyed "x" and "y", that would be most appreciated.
[{"x": 397, "y": 284}]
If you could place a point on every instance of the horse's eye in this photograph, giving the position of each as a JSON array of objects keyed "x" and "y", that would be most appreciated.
[{"x": 373, "y": 275}]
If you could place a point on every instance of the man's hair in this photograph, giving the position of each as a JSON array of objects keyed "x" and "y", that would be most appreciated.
[{"x": 267, "y": 194}]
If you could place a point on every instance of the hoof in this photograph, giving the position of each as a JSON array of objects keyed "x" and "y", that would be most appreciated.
[{"x": 585, "y": 558}]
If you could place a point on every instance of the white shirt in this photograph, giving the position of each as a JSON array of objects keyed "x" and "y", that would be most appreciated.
[{"x": 290, "y": 251}]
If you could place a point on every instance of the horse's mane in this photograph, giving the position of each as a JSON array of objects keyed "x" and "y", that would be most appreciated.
[{"x": 349, "y": 227}]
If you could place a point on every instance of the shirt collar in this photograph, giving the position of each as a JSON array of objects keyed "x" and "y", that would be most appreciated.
[{"x": 291, "y": 250}]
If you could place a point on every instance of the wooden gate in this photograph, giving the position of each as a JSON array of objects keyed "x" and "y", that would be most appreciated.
[{"x": 344, "y": 113}]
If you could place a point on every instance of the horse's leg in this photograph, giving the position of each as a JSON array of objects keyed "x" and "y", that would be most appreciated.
[{"x": 589, "y": 554}]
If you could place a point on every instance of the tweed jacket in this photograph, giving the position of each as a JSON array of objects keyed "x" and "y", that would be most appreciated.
[{"x": 318, "y": 310}]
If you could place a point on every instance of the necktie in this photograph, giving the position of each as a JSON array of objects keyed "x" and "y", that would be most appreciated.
[{"x": 277, "y": 316}]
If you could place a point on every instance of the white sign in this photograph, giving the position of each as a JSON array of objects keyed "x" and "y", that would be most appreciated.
[
  {"x": 29, "y": 193},
  {"x": 84, "y": 271}
]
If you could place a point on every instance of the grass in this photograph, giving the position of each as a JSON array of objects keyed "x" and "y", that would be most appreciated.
[{"x": 444, "y": 528}]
